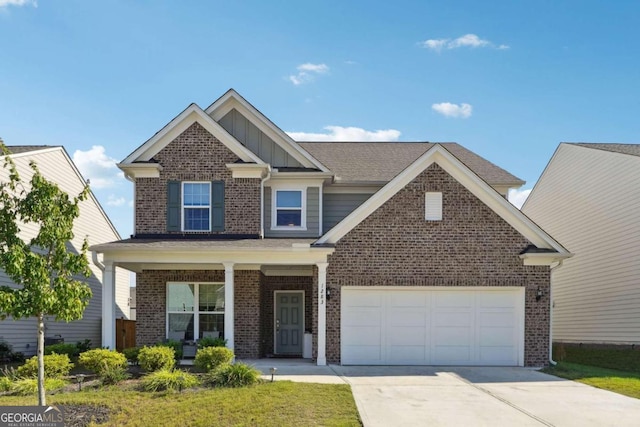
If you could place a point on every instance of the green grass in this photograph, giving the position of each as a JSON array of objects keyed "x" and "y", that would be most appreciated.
[
  {"x": 623, "y": 382},
  {"x": 625, "y": 359},
  {"x": 280, "y": 403}
]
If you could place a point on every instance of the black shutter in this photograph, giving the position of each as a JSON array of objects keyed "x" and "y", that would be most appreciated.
[
  {"x": 217, "y": 206},
  {"x": 174, "y": 204}
]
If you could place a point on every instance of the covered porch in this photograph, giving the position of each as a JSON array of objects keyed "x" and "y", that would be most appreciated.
[{"x": 260, "y": 295}]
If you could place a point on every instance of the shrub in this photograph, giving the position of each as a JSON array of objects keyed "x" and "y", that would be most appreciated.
[
  {"x": 114, "y": 374},
  {"x": 175, "y": 345},
  {"x": 70, "y": 350},
  {"x": 153, "y": 359},
  {"x": 8, "y": 355},
  {"x": 55, "y": 366},
  {"x": 5, "y": 384},
  {"x": 166, "y": 379},
  {"x": 83, "y": 346},
  {"x": 211, "y": 342},
  {"x": 131, "y": 354},
  {"x": 101, "y": 360},
  {"x": 237, "y": 375},
  {"x": 29, "y": 386},
  {"x": 209, "y": 358}
]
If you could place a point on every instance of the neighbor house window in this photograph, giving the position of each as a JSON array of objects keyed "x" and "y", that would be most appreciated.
[
  {"x": 195, "y": 310},
  {"x": 289, "y": 208},
  {"x": 196, "y": 206},
  {"x": 433, "y": 206}
]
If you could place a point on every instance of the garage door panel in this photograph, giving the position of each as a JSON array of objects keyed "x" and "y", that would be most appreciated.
[{"x": 432, "y": 326}]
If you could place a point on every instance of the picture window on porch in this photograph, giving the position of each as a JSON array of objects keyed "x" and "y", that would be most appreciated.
[
  {"x": 289, "y": 208},
  {"x": 195, "y": 310}
]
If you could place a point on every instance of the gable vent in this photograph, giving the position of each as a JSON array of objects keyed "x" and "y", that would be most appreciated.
[{"x": 433, "y": 206}]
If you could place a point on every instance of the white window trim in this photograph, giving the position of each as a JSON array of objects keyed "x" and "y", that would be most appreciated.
[
  {"x": 183, "y": 207},
  {"x": 274, "y": 208},
  {"x": 196, "y": 311}
]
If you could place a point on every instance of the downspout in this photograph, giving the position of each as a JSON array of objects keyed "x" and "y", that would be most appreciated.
[
  {"x": 266, "y": 178},
  {"x": 96, "y": 261},
  {"x": 553, "y": 362}
]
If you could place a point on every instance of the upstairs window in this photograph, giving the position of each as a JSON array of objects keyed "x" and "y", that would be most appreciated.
[
  {"x": 289, "y": 208},
  {"x": 196, "y": 206}
]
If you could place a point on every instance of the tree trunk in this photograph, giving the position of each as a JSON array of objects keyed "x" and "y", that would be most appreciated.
[{"x": 41, "y": 392}]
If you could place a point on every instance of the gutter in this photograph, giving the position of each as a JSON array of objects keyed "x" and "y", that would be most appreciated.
[
  {"x": 553, "y": 362},
  {"x": 262, "y": 181}
]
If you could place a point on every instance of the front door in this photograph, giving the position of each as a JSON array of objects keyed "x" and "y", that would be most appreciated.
[{"x": 289, "y": 322}]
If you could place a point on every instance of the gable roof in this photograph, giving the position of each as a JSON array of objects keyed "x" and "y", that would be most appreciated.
[
  {"x": 19, "y": 149},
  {"x": 379, "y": 162},
  {"x": 193, "y": 113},
  {"x": 631, "y": 149},
  {"x": 470, "y": 180},
  {"x": 233, "y": 100}
]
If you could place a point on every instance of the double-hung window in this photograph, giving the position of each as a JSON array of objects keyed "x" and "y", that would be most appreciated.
[
  {"x": 289, "y": 208},
  {"x": 196, "y": 206},
  {"x": 195, "y": 310}
]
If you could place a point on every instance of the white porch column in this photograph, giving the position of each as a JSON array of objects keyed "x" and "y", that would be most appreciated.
[
  {"x": 322, "y": 313},
  {"x": 228, "y": 304},
  {"x": 109, "y": 305}
]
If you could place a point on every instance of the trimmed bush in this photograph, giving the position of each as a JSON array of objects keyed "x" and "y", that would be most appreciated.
[
  {"x": 209, "y": 358},
  {"x": 29, "y": 386},
  {"x": 109, "y": 365},
  {"x": 131, "y": 354},
  {"x": 165, "y": 379},
  {"x": 237, "y": 375},
  {"x": 211, "y": 342},
  {"x": 55, "y": 366},
  {"x": 153, "y": 359},
  {"x": 175, "y": 345},
  {"x": 70, "y": 350},
  {"x": 5, "y": 384}
]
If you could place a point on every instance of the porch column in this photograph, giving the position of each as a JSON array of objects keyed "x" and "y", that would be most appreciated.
[
  {"x": 228, "y": 304},
  {"x": 109, "y": 305},
  {"x": 322, "y": 313}
]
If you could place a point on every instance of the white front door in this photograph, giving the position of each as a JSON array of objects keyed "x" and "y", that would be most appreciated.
[
  {"x": 289, "y": 322},
  {"x": 432, "y": 326}
]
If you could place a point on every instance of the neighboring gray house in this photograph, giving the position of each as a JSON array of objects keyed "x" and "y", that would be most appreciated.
[
  {"x": 56, "y": 165},
  {"x": 352, "y": 253},
  {"x": 589, "y": 198}
]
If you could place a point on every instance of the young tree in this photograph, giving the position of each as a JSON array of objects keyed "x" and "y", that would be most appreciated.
[{"x": 44, "y": 267}]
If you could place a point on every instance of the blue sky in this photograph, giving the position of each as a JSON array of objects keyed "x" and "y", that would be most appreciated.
[{"x": 509, "y": 80}]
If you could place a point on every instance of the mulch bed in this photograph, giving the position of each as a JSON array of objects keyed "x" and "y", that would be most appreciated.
[{"x": 83, "y": 415}]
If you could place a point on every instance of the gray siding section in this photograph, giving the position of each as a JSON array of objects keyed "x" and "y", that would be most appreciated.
[
  {"x": 337, "y": 206},
  {"x": 255, "y": 140},
  {"x": 313, "y": 216}
]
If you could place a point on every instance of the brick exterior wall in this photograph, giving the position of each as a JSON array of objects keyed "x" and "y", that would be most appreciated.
[
  {"x": 152, "y": 309},
  {"x": 471, "y": 246},
  {"x": 269, "y": 284},
  {"x": 196, "y": 155}
]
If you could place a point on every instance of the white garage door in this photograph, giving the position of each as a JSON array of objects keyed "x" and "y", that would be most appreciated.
[{"x": 432, "y": 326}]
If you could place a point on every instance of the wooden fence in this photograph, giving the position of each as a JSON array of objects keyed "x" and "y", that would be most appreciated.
[{"x": 125, "y": 334}]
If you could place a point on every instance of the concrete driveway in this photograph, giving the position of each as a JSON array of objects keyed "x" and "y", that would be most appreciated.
[{"x": 481, "y": 396}]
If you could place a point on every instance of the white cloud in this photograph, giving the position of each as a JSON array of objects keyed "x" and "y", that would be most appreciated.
[
  {"x": 113, "y": 200},
  {"x": 468, "y": 40},
  {"x": 307, "y": 72},
  {"x": 97, "y": 167},
  {"x": 448, "y": 109},
  {"x": 518, "y": 197},
  {"x": 6, "y": 3},
  {"x": 339, "y": 133}
]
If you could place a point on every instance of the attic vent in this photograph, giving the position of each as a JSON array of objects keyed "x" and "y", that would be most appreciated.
[{"x": 433, "y": 206}]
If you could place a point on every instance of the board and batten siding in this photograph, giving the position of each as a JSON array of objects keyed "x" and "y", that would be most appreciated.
[
  {"x": 256, "y": 141},
  {"x": 313, "y": 216},
  {"x": 337, "y": 206},
  {"x": 589, "y": 200},
  {"x": 22, "y": 334}
]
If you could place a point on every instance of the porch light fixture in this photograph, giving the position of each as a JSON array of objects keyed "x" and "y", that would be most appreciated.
[
  {"x": 273, "y": 372},
  {"x": 328, "y": 293},
  {"x": 539, "y": 294},
  {"x": 79, "y": 380}
]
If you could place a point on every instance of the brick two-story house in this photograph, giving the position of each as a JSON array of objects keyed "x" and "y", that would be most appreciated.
[{"x": 384, "y": 253}]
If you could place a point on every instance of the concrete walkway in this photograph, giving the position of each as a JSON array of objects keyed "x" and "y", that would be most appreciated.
[{"x": 469, "y": 396}]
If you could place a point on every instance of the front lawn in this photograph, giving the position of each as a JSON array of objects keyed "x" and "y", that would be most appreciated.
[
  {"x": 279, "y": 403},
  {"x": 623, "y": 382}
]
